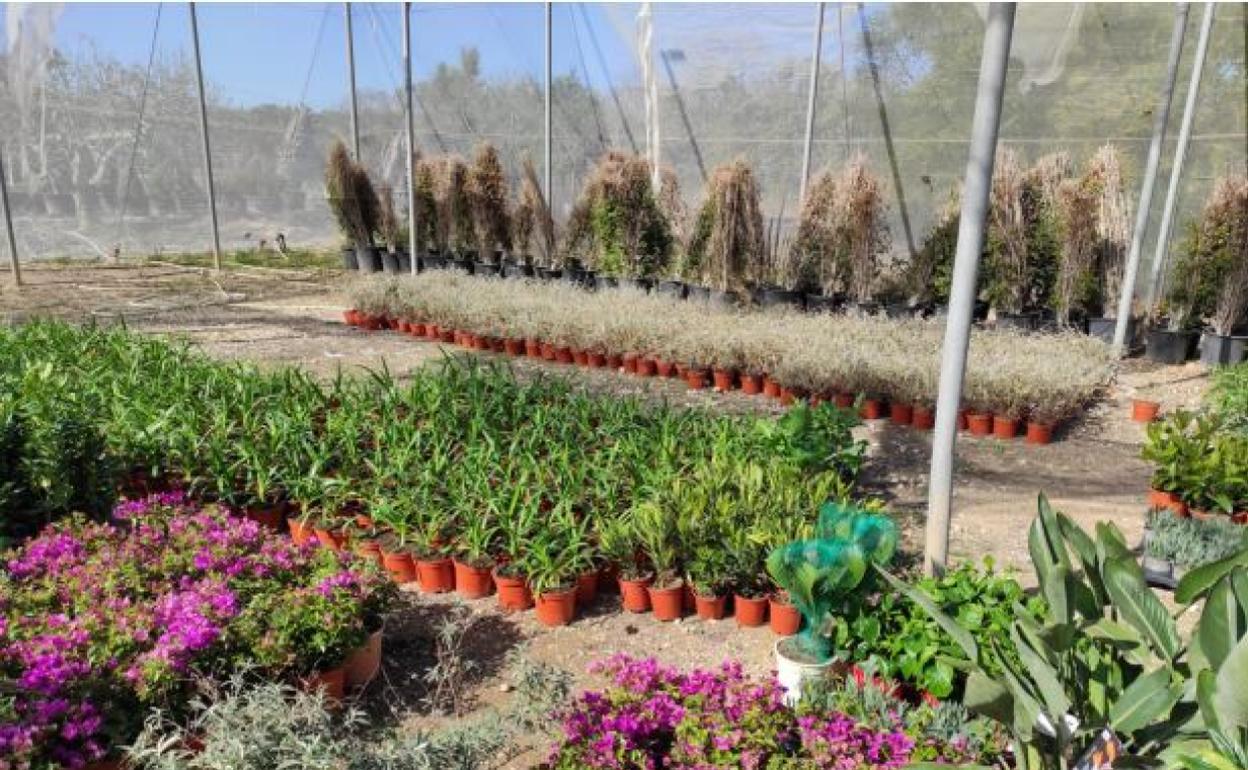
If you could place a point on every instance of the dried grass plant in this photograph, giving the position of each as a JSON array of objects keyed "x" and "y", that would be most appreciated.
[
  {"x": 1076, "y": 205},
  {"x": 1113, "y": 213},
  {"x": 1227, "y": 215},
  {"x": 1008, "y": 212},
  {"x": 616, "y": 224},
  {"x": 861, "y": 226},
  {"x": 424, "y": 175},
  {"x": 351, "y": 196},
  {"x": 455, "y": 231},
  {"x": 487, "y": 195},
  {"x": 388, "y": 224},
  {"x": 733, "y": 227}
]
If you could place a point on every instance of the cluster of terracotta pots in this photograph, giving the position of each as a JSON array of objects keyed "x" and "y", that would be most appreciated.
[
  {"x": 672, "y": 603},
  {"x": 1157, "y": 499},
  {"x": 983, "y": 424}
]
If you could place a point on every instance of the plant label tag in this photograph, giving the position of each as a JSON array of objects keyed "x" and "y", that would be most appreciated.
[{"x": 1102, "y": 753}]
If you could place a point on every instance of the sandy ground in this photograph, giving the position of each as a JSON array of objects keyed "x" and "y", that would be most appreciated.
[{"x": 1092, "y": 472}]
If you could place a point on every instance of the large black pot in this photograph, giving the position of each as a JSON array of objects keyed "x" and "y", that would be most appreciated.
[
  {"x": 1103, "y": 329},
  {"x": 721, "y": 300},
  {"x": 862, "y": 308},
  {"x": 513, "y": 270},
  {"x": 637, "y": 284},
  {"x": 606, "y": 282},
  {"x": 774, "y": 296},
  {"x": 433, "y": 260},
  {"x": 368, "y": 259},
  {"x": 820, "y": 303},
  {"x": 673, "y": 289},
  {"x": 899, "y": 310},
  {"x": 549, "y": 273},
  {"x": 486, "y": 268},
  {"x": 1021, "y": 321},
  {"x": 698, "y": 293},
  {"x": 390, "y": 263},
  {"x": 467, "y": 264},
  {"x": 1221, "y": 349},
  {"x": 349, "y": 262},
  {"x": 1169, "y": 347},
  {"x": 405, "y": 261}
]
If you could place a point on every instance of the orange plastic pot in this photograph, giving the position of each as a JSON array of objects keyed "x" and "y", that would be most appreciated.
[
  {"x": 751, "y": 384},
  {"x": 843, "y": 400},
  {"x": 1143, "y": 410},
  {"x": 646, "y": 367},
  {"x": 432, "y": 332},
  {"x": 630, "y": 362},
  {"x": 695, "y": 378},
  {"x": 418, "y": 330},
  {"x": 437, "y": 576},
  {"x": 664, "y": 368},
  {"x": 1159, "y": 499},
  {"x": 1039, "y": 432},
  {"x": 964, "y": 421},
  {"x": 400, "y": 565},
  {"x": 724, "y": 379},
  {"x": 586, "y": 588},
  {"x": 771, "y": 388},
  {"x": 300, "y": 532},
  {"x": 364, "y": 662},
  {"x": 333, "y": 683},
  {"x": 556, "y": 608},
  {"x": 1240, "y": 517},
  {"x": 349, "y": 317},
  {"x": 533, "y": 348},
  {"x": 472, "y": 582},
  {"x": 563, "y": 354},
  {"x": 710, "y": 607},
  {"x": 784, "y": 618},
  {"x": 369, "y": 550},
  {"x": 513, "y": 346},
  {"x": 668, "y": 603},
  {"x": 750, "y": 613},
  {"x": 446, "y": 336},
  {"x": 548, "y": 351},
  {"x": 614, "y": 360},
  {"x": 1004, "y": 427},
  {"x": 597, "y": 360},
  {"x": 900, "y": 414},
  {"x": 979, "y": 424},
  {"x": 924, "y": 418},
  {"x": 330, "y": 538},
  {"x": 580, "y": 357},
  {"x": 634, "y": 595},
  {"x": 513, "y": 593},
  {"x": 871, "y": 409}
]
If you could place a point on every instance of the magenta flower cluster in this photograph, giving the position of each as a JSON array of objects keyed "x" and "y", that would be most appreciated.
[
  {"x": 101, "y": 622},
  {"x": 653, "y": 716}
]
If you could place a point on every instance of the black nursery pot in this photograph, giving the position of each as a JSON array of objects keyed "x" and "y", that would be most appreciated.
[
  {"x": 549, "y": 273},
  {"x": 1103, "y": 329},
  {"x": 405, "y": 261},
  {"x": 433, "y": 260},
  {"x": 774, "y": 296},
  {"x": 606, "y": 282},
  {"x": 486, "y": 268},
  {"x": 721, "y": 300},
  {"x": 1169, "y": 347},
  {"x": 368, "y": 259},
  {"x": 467, "y": 264},
  {"x": 638, "y": 284},
  {"x": 349, "y": 262},
  {"x": 514, "y": 270},
  {"x": 673, "y": 289},
  {"x": 1021, "y": 321},
  {"x": 820, "y": 303},
  {"x": 1221, "y": 349},
  {"x": 698, "y": 294},
  {"x": 390, "y": 263}
]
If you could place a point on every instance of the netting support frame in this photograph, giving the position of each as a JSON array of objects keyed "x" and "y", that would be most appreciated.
[
  {"x": 203, "y": 127},
  {"x": 411, "y": 135},
  {"x": 810, "y": 105},
  {"x": 354, "y": 103},
  {"x": 14, "y": 263},
  {"x": 979, "y": 166}
]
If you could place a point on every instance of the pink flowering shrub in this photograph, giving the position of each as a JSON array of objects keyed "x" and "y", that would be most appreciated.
[
  {"x": 652, "y": 716},
  {"x": 101, "y": 622}
]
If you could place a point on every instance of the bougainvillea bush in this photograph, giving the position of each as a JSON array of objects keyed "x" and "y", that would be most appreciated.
[
  {"x": 100, "y": 622},
  {"x": 651, "y": 716}
]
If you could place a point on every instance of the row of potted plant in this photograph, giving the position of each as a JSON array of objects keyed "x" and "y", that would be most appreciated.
[
  {"x": 1174, "y": 545},
  {"x": 1044, "y": 379},
  {"x": 100, "y": 623}
]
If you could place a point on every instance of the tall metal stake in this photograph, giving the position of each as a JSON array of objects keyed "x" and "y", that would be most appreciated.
[
  {"x": 411, "y": 136},
  {"x": 984, "y": 127},
  {"x": 203, "y": 126},
  {"x": 8, "y": 225},
  {"x": 810, "y": 106},
  {"x": 355, "y": 108},
  {"x": 1150, "y": 179},
  {"x": 546, "y": 177},
  {"x": 1157, "y": 278}
]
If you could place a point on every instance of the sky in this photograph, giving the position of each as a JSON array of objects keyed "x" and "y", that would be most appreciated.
[{"x": 256, "y": 53}]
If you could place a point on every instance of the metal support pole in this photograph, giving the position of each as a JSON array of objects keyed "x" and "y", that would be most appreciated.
[
  {"x": 8, "y": 225},
  {"x": 1157, "y": 278},
  {"x": 412, "y": 247},
  {"x": 203, "y": 126},
  {"x": 355, "y": 108},
  {"x": 1150, "y": 179},
  {"x": 668, "y": 55},
  {"x": 810, "y": 106},
  {"x": 987, "y": 120},
  {"x": 546, "y": 178}
]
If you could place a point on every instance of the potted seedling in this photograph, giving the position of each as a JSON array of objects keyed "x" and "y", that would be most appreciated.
[
  {"x": 656, "y": 527},
  {"x": 750, "y": 584},
  {"x": 487, "y": 195},
  {"x": 434, "y": 567},
  {"x": 819, "y": 575},
  {"x": 474, "y": 560},
  {"x": 354, "y": 204},
  {"x": 619, "y": 541},
  {"x": 708, "y": 572},
  {"x": 551, "y": 565}
]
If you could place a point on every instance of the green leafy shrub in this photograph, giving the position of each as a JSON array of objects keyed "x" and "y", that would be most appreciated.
[{"x": 1191, "y": 543}]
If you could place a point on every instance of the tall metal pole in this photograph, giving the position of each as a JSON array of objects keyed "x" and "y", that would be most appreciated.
[
  {"x": 546, "y": 178},
  {"x": 203, "y": 127},
  {"x": 8, "y": 225},
  {"x": 840, "y": 44},
  {"x": 411, "y": 136},
  {"x": 810, "y": 105},
  {"x": 1157, "y": 278},
  {"x": 1150, "y": 179},
  {"x": 355, "y": 109},
  {"x": 987, "y": 120}
]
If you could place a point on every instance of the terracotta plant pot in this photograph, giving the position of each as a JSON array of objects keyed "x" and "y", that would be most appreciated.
[
  {"x": 597, "y": 360},
  {"x": 1143, "y": 410},
  {"x": 1004, "y": 427},
  {"x": 688, "y": 600},
  {"x": 924, "y": 418},
  {"x": 580, "y": 358},
  {"x": 1160, "y": 499},
  {"x": 533, "y": 348},
  {"x": 513, "y": 346},
  {"x": 664, "y": 368},
  {"x": 751, "y": 384},
  {"x": 586, "y": 588},
  {"x": 630, "y": 362},
  {"x": 750, "y": 613},
  {"x": 1240, "y": 517},
  {"x": 446, "y": 336},
  {"x": 646, "y": 367},
  {"x": 556, "y": 608},
  {"x": 419, "y": 330},
  {"x": 332, "y": 539},
  {"x": 979, "y": 424},
  {"x": 1039, "y": 432},
  {"x": 900, "y": 414},
  {"x": 432, "y": 332},
  {"x": 404, "y": 326},
  {"x": 710, "y": 607},
  {"x": 635, "y": 596},
  {"x": 615, "y": 361},
  {"x": 548, "y": 351},
  {"x": 333, "y": 682},
  {"x": 843, "y": 400},
  {"x": 1196, "y": 513},
  {"x": 437, "y": 576},
  {"x": 785, "y": 620},
  {"x": 364, "y": 662},
  {"x": 369, "y": 550},
  {"x": 400, "y": 565},
  {"x": 349, "y": 317},
  {"x": 964, "y": 421},
  {"x": 668, "y": 603},
  {"x": 696, "y": 379},
  {"x": 724, "y": 379},
  {"x": 771, "y": 388},
  {"x": 513, "y": 593},
  {"x": 472, "y": 582},
  {"x": 563, "y": 355},
  {"x": 300, "y": 532},
  {"x": 871, "y": 409}
]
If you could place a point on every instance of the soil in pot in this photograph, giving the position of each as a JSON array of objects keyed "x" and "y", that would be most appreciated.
[
  {"x": 472, "y": 582},
  {"x": 751, "y": 612},
  {"x": 924, "y": 418},
  {"x": 900, "y": 414},
  {"x": 784, "y": 618},
  {"x": 437, "y": 576},
  {"x": 1039, "y": 432},
  {"x": 634, "y": 594},
  {"x": 751, "y": 384},
  {"x": 668, "y": 602},
  {"x": 1143, "y": 410},
  {"x": 364, "y": 662},
  {"x": 710, "y": 607},
  {"x": 1004, "y": 427},
  {"x": 979, "y": 424},
  {"x": 513, "y": 592},
  {"x": 556, "y": 608}
]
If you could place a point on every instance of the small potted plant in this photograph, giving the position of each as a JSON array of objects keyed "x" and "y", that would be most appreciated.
[
  {"x": 618, "y": 539},
  {"x": 551, "y": 565},
  {"x": 434, "y": 567},
  {"x": 354, "y": 204},
  {"x": 491, "y": 221},
  {"x": 728, "y": 236},
  {"x": 474, "y": 560},
  {"x": 819, "y": 575},
  {"x": 656, "y": 527}
]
